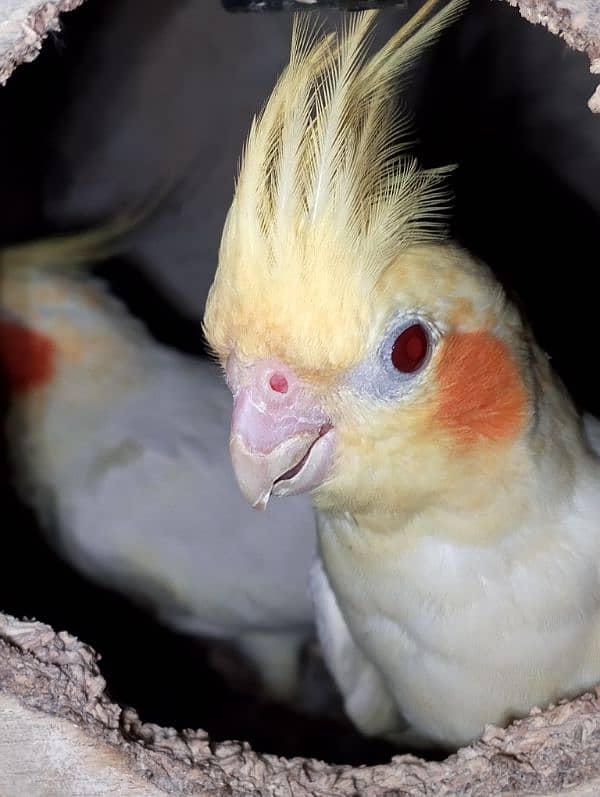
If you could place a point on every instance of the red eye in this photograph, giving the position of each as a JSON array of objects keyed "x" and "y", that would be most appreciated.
[{"x": 410, "y": 349}]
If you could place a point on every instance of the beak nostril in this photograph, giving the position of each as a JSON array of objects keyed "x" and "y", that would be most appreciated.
[{"x": 278, "y": 383}]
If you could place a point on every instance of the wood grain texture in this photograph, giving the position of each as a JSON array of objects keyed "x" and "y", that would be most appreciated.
[{"x": 46, "y": 756}]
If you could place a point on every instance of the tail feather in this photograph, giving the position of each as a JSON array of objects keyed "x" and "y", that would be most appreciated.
[{"x": 78, "y": 250}]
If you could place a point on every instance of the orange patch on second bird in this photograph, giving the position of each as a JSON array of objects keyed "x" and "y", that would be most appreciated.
[
  {"x": 482, "y": 394},
  {"x": 26, "y": 357}
]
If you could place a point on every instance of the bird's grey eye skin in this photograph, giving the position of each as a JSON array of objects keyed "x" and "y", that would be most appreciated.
[{"x": 400, "y": 360}]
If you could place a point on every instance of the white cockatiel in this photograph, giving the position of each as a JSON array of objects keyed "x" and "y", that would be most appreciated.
[
  {"x": 384, "y": 369},
  {"x": 120, "y": 446}
]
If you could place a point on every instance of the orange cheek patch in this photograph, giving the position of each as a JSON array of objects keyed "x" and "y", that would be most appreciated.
[
  {"x": 26, "y": 357},
  {"x": 481, "y": 391}
]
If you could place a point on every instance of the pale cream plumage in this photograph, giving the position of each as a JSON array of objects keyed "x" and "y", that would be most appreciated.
[
  {"x": 459, "y": 499},
  {"x": 119, "y": 444}
]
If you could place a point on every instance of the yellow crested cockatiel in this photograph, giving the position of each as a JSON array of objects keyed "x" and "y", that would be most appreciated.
[
  {"x": 120, "y": 446},
  {"x": 384, "y": 369}
]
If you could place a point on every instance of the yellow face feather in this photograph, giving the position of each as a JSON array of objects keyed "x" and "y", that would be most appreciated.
[{"x": 469, "y": 406}]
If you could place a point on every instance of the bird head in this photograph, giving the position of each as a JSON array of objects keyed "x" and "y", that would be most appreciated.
[
  {"x": 70, "y": 354},
  {"x": 68, "y": 350},
  {"x": 61, "y": 330},
  {"x": 58, "y": 322},
  {"x": 370, "y": 361}
]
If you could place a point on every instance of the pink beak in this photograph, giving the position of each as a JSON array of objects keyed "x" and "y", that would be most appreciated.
[{"x": 281, "y": 439}]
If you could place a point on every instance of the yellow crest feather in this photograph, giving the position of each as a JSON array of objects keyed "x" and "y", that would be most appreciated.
[
  {"x": 327, "y": 195},
  {"x": 330, "y": 146}
]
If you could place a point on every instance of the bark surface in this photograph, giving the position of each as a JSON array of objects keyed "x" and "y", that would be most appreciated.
[
  {"x": 576, "y": 21},
  {"x": 24, "y": 24},
  {"x": 60, "y": 734}
]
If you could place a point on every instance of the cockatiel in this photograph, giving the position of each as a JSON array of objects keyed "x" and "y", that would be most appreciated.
[
  {"x": 120, "y": 447},
  {"x": 384, "y": 369}
]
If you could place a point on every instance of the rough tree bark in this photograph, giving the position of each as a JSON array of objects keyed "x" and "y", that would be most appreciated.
[
  {"x": 576, "y": 21},
  {"x": 60, "y": 734},
  {"x": 24, "y": 24}
]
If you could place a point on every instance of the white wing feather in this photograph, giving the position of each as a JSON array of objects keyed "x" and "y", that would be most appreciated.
[{"x": 157, "y": 512}]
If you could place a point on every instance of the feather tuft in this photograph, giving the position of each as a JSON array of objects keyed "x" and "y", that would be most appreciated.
[{"x": 329, "y": 152}]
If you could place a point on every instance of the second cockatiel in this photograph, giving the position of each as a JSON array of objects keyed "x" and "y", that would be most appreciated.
[
  {"x": 120, "y": 447},
  {"x": 385, "y": 370}
]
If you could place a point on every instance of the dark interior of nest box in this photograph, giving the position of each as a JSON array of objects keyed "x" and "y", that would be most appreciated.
[{"x": 504, "y": 100}]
